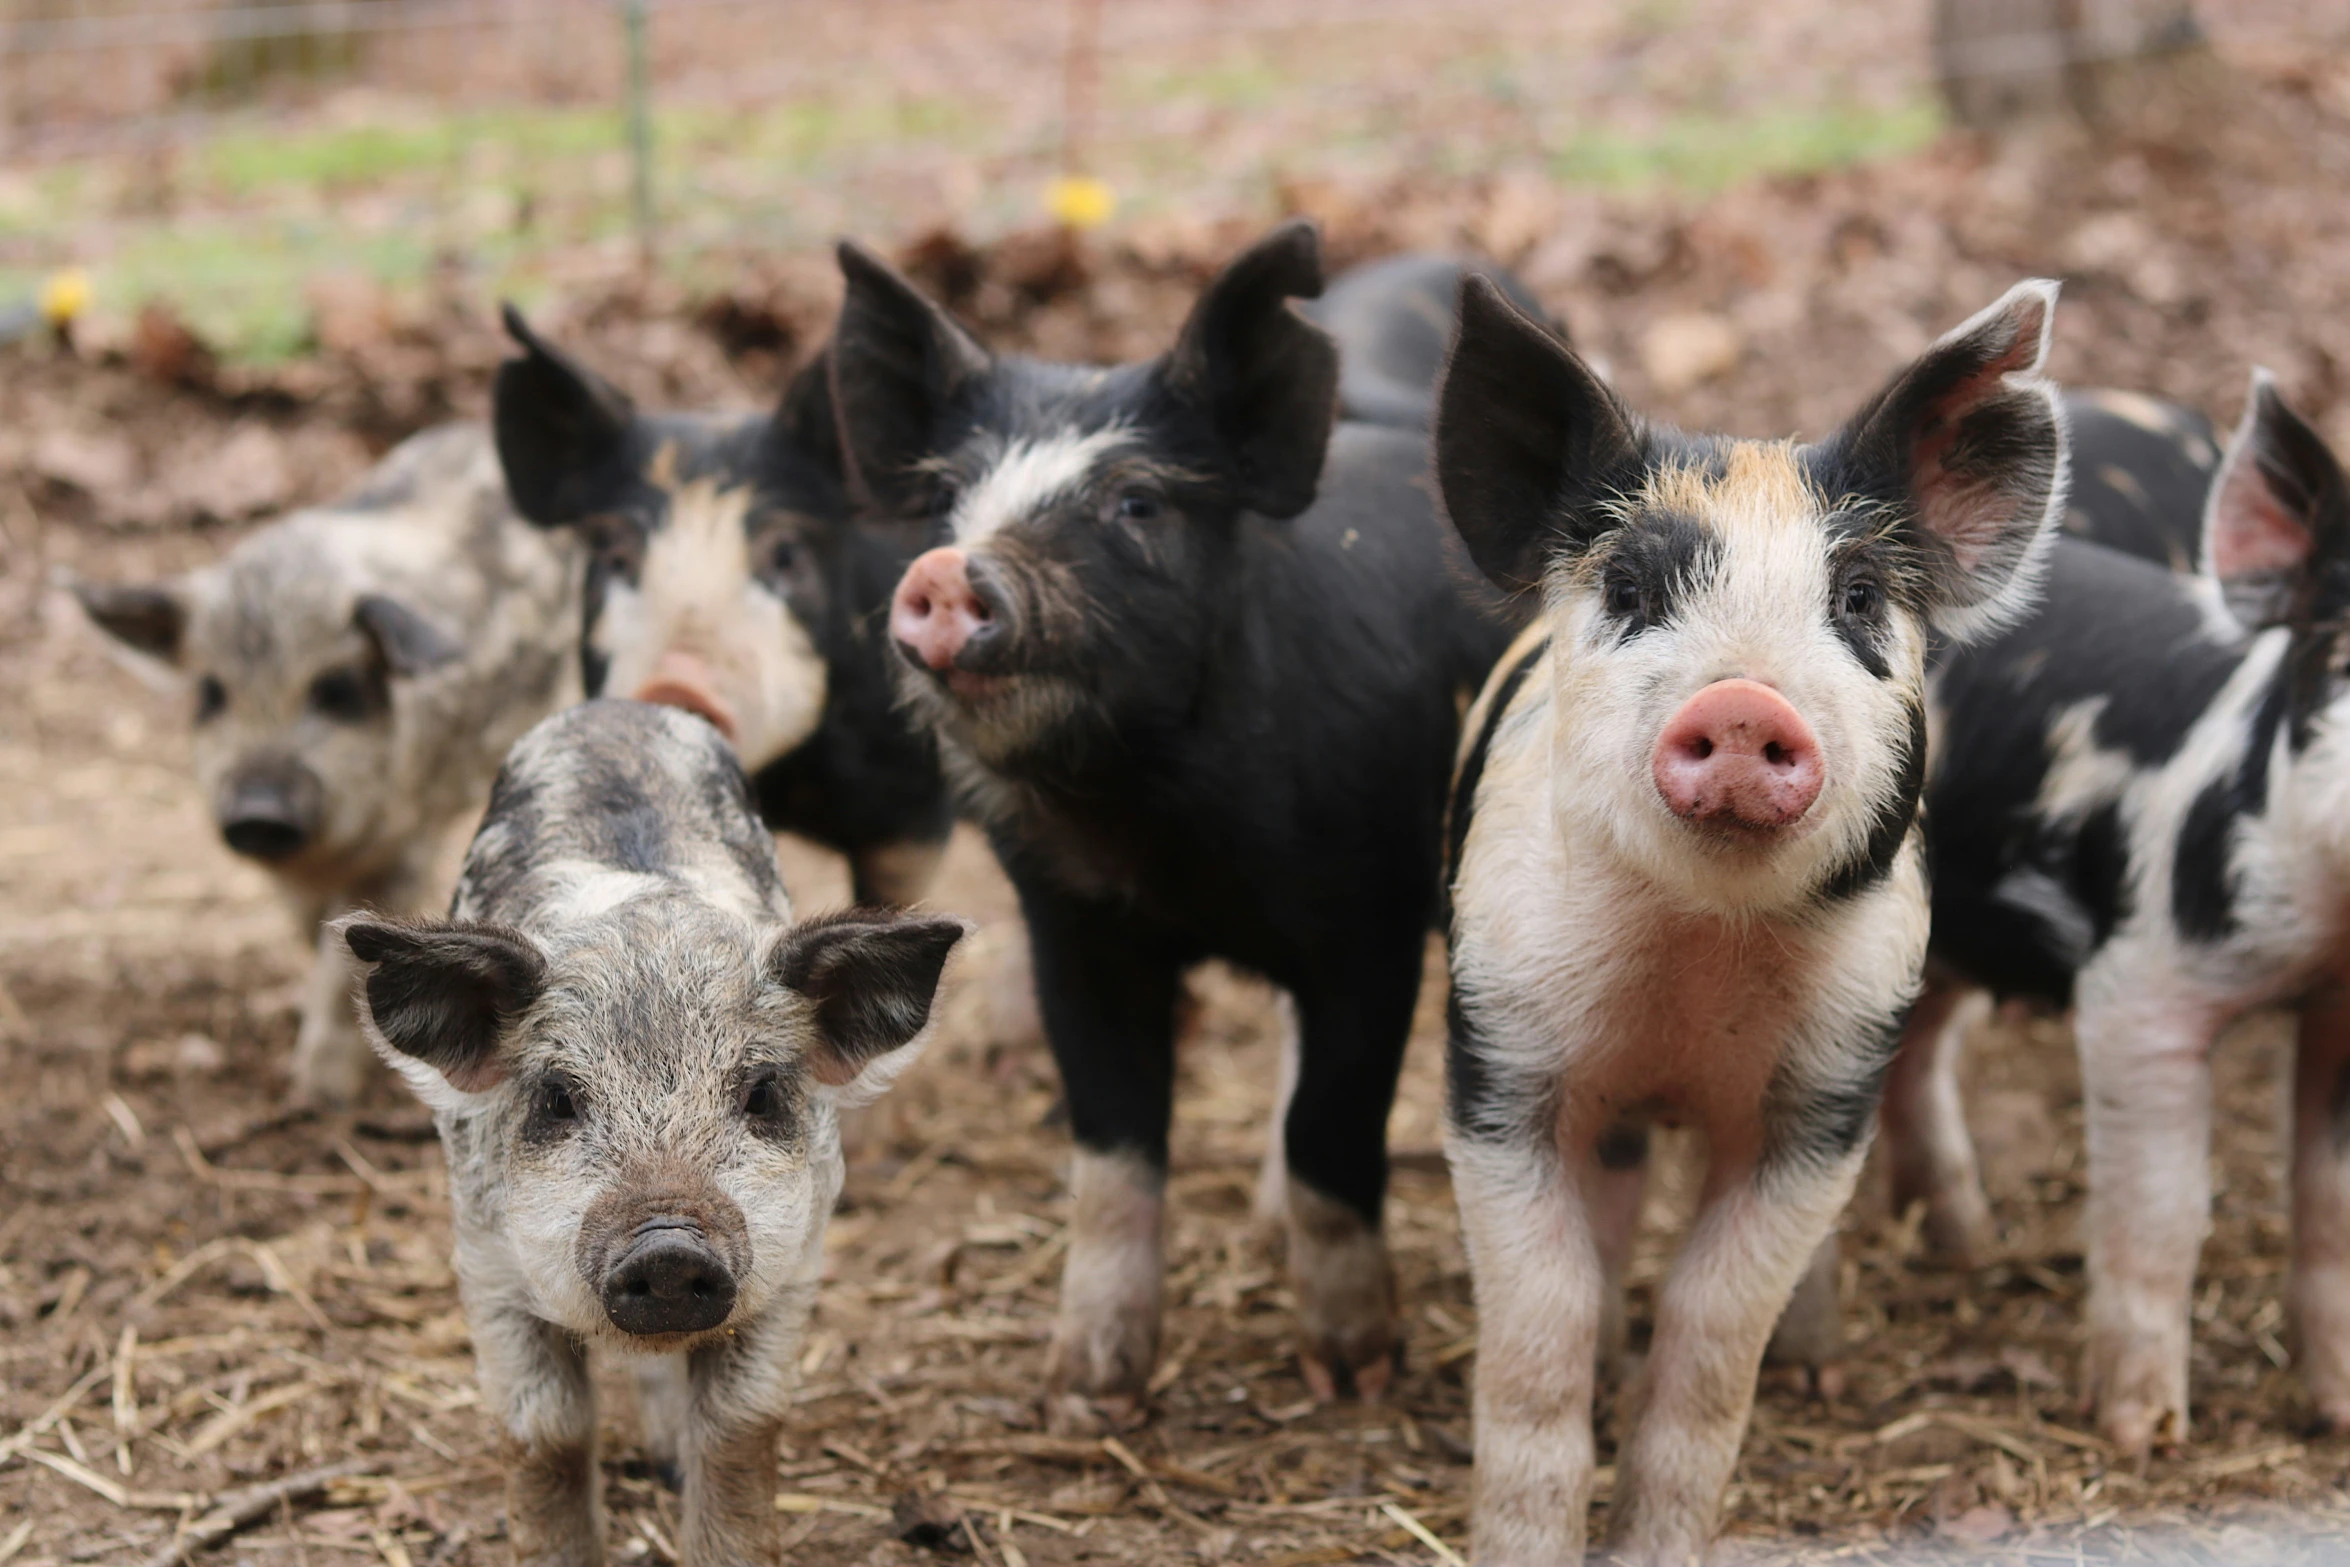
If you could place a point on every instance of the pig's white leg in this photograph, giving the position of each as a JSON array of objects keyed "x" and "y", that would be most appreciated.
[
  {"x": 741, "y": 1391},
  {"x": 2146, "y": 1087},
  {"x": 1931, "y": 1154},
  {"x": 2321, "y": 1203},
  {"x": 534, "y": 1380},
  {"x": 331, "y": 1058},
  {"x": 1272, "y": 1199},
  {"x": 1755, "y": 1234},
  {"x": 1810, "y": 1333},
  {"x": 1617, "y": 1188},
  {"x": 1540, "y": 1297},
  {"x": 1106, "y": 1338},
  {"x": 662, "y": 1401}
]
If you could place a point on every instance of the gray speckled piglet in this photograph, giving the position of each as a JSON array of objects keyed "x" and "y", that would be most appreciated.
[{"x": 637, "y": 1061}]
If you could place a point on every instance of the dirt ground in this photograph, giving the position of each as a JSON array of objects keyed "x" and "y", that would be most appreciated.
[{"x": 199, "y": 1293}]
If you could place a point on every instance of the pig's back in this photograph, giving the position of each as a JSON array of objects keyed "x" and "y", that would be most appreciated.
[
  {"x": 609, "y": 799},
  {"x": 2103, "y": 679}
]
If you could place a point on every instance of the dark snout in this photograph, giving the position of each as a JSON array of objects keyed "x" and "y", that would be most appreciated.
[
  {"x": 272, "y": 811},
  {"x": 668, "y": 1279},
  {"x": 948, "y": 618}
]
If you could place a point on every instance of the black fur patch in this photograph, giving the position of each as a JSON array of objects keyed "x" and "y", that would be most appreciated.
[
  {"x": 1649, "y": 564},
  {"x": 1814, "y": 1126},
  {"x": 1472, "y": 1098},
  {"x": 2101, "y": 871},
  {"x": 1894, "y": 815},
  {"x": 2203, "y": 884},
  {"x": 1472, "y": 768}
]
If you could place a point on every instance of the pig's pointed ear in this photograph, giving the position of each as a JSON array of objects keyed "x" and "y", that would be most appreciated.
[
  {"x": 560, "y": 428},
  {"x": 437, "y": 996},
  {"x": 872, "y": 978},
  {"x": 407, "y": 643},
  {"x": 806, "y": 420},
  {"x": 1525, "y": 433},
  {"x": 1266, "y": 376},
  {"x": 2276, "y": 525},
  {"x": 150, "y": 620},
  {"x": 897, "y": 362},
  {"x": 1970, "y": 441}
]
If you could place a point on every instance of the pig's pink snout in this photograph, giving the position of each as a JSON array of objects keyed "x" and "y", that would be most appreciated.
[
  {"x": 937, "y": 613},
  {"x": 1738, "y": 754},
  {"x": 683, "y": 679}
]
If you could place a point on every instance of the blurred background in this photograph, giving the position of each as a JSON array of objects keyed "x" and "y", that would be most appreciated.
[{"x": 246, "y": 245}]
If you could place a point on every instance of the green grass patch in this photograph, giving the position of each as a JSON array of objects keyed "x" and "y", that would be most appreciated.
[{"x": 1703, "y": 153}]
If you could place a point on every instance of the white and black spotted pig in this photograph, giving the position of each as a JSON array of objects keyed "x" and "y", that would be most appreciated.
[
  {"x": 637, "y": 1061},
  {"x": 1195, "y": 653},
  {"x": 1688, "y": 884},
  {"x": 2141, "y": 467},
  {"x": 725, "y": 577},
  {"x": 357, "y": 672},
  {"x": 2140, "y": 809}
]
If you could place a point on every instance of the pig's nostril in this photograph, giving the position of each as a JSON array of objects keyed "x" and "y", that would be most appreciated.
[
  {"x": 1776, "y": 754},
  {"x": 1701, "y": 748}
]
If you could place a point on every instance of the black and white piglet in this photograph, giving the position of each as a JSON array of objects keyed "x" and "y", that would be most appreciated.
[
  {"x": 1687, "y": 880},
  {"x": 2141, "y": 810},
  {"x": 1195, "y": 660},
  {"x": 637, "y": 1061},
  {"x": 725, "y": 577}
]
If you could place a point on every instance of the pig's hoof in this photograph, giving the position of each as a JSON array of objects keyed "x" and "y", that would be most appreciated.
[
  {"x": 2136, "y": 1427},
  {"x": 1962, "y": 1238},
  {"x": 1337, "y": 1370},
  {"x": 1069, "y": 1413}
]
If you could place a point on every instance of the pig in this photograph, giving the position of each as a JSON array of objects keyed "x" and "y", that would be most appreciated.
[
  {"x": 1392, "y": 320},
  {"x": 726, "y": 577},
  {"x": 357, "y": 671},
  {"x": 2137, "y": 813},
  {"x": 637, "y": 1061},
  {"x": 2141, "y": 469},
  {"x": 1686, "y": 872},
  {"x": 1194, "y": 653}
]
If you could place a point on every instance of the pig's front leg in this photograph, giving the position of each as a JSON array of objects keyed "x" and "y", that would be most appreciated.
[
  {"x": 2321, "y": 1203},
  {"x": 331, "y": 1060},
  {"x": 1108, "y": 1000},
  {"x": 741, "y": 1390},
  {"x": 1926, "y": 1139},
  {"x": 1757, "y": 1230},
  {"x": 1541, "y": 1294},
  {"x": 1352, "y": 1030},
  {"x": 534, "y": 1379},
  {"x": 2146, "y": 1091}
]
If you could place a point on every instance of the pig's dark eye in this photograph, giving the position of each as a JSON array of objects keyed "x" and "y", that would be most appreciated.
[
  {"x": 554, "y": 1105},
  {"x": 343, "y": 695},
  {"x": 759, "y": 1099},
  {"x": 211, "y": 698},
  {"x": 1140, "y": 506},
  {"x": 783, "y": 556},
  {"x": 1624, "y": 598},
  {"x": 1862, "y": 598}
]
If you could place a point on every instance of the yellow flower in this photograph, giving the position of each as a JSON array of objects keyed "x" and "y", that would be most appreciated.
[
  {"x": 65, "y": 295},
  {"x": 1080, "y": 201}
]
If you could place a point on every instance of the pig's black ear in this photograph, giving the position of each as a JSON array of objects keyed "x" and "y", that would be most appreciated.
[
  {"x": 439, "y": 995},
  {"x": 1970, "y": 441},
  {"x": 1265, "y": 375},
  {"x": 407, "y": 643},
  {"x": 151, "y": 619},
  {"x": 561, "y": 429},
  {"x": 897, "y": 362},
  {"x": 1525, "y": 432},
  {"x": 806, "y": 420},
  {"x": 872, "y": 977},
  {"x": 2276, "y": 525}
]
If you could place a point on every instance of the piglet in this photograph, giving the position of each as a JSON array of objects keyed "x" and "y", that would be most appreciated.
[
  {"x": 354, "y": 673},
  {"x": 637, "y": 1062},
  {"x": 1687, "y": 879}
]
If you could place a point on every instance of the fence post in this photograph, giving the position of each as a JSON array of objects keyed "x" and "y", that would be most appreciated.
[{"x": 640, "y": 126}]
